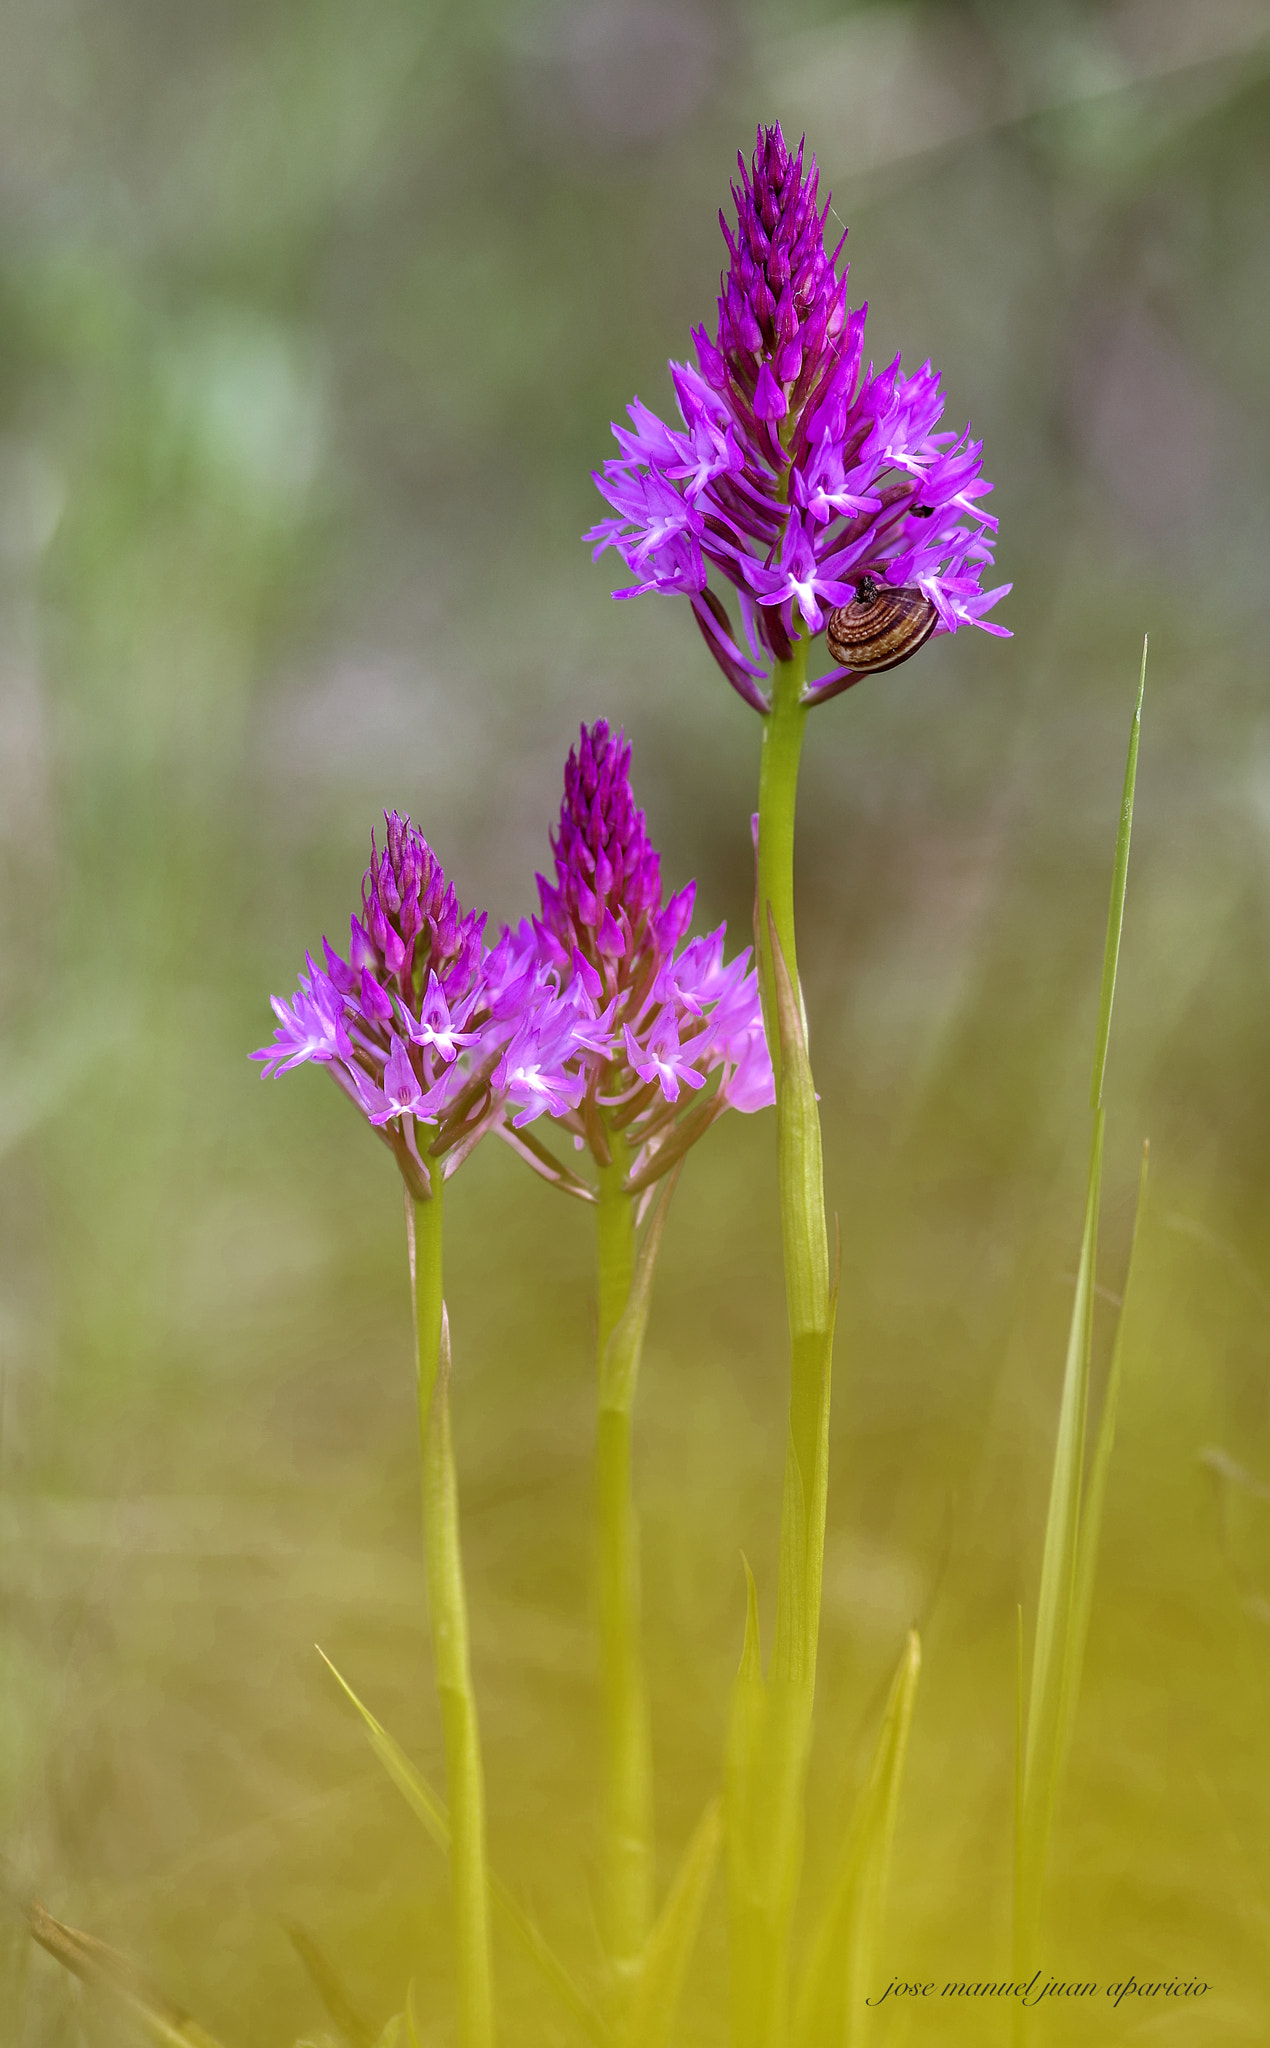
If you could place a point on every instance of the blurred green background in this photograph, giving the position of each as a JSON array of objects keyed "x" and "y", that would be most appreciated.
[{"x": 312, "y": 321}]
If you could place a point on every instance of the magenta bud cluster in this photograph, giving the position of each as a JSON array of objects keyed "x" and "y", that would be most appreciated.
[
  {"x": 412, "y": 1022},
  {"x": 798, "y": 471},
  {"x": 608, "y": 876},
  {"x": 675, "y": 1014},
  {"x": 593, "y": 1014}
]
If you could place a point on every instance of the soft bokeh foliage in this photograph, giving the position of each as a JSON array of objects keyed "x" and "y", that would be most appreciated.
[{"x": 312, "y": 323}]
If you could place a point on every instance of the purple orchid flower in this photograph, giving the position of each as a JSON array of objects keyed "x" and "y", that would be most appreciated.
[
  {"x": 310, "y": 1026},
  {"x": 640, "y": 1024},
  {"x": 800, "y": 477},
  {"x": 417, "y": 1024}
]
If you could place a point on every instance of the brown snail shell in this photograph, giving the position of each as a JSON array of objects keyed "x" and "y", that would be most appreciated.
[{"x": 880, "y": 628}]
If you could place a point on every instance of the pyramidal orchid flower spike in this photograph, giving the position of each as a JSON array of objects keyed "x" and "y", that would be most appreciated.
[
  {"x": 415, "y": 1021},
  {"x": 817, "y": 487},
  {"x": 632, "y": 1030}
]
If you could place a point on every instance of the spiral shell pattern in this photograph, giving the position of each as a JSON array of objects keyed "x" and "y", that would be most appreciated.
[{"x": 880, "y": 628}]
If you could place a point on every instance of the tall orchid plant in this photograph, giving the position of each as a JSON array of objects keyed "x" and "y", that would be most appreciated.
[{"x": 819, "y": 490}]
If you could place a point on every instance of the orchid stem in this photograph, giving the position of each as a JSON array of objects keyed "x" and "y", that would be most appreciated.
[
  {"x": 773, "y": 1811},
  {"x": 447, "y": 1606},
  {"x": 777, "y": 803},
  {"x": 628, "y": 1781}
]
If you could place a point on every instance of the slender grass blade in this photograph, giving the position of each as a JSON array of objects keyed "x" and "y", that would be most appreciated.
[
  {"x": 1058, "y": 1559},
  {"x": 412, "y": 1785},
  {"x": 1068, "y": 1554},
  {"x": 515, "y": 1922},
  {"x": 1043, "y": 1747},
  {"x": 1091, "y": 1513},
  {"x": 104, "y": 1969}
]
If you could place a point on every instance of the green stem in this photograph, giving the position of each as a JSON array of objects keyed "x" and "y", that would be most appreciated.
[
  {"x": 777, "y": 801},
  {"x": 447, "y": 1607},
  {"x": 628, "y": 1784},
  {"x": 804, "y": 1237},
  {"x": 775, "y": 1805},
  {"x": 615, "y": 1238}
]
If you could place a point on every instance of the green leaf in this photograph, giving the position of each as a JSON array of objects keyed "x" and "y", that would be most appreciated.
[
  {"x": 515, "y": 1922},
  {"x": 670, "y": 1945},
  {"x": 391, "y": 2036},
  {"x": 831, "y": 2004}
]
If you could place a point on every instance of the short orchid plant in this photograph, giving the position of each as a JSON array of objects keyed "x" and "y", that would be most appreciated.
[{"x": 600, "y": 1041}]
